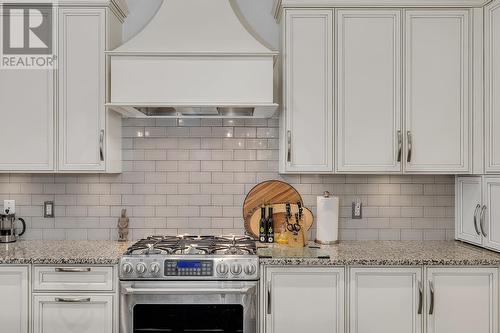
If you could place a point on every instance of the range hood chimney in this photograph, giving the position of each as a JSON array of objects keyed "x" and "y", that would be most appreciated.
[{"x": 194, "y": 59}]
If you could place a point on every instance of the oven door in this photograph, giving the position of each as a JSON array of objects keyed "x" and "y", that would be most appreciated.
[{"x": 188, "y": 306}]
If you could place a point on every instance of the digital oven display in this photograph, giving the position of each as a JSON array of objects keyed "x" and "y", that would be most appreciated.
[
  {"x": 188, "y": 268},
  {"x": 189, "y": 264}
]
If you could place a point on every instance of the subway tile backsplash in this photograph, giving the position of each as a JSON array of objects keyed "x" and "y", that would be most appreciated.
[{"x": 191, "y": 176}]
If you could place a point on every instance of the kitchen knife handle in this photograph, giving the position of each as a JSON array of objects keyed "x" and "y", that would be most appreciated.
[
  {"x": 410, "y": 146},
  {"x": 289, "y": 147},
  {"x": 431, "y": 306},
  {"x": 101, "y": 145},
  {"x": 420, "y": 298},
  {"x": 481, "y": 221},
  {"x": 269, "y": 304},
  {"x": 400, "y": 145},
  {"x": 475, "y": 219}
]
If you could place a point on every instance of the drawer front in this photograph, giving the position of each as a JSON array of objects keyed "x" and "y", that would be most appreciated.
[{"x": 69, "y": 278}]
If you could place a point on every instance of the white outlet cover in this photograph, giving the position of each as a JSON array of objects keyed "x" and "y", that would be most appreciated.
[{"x": 9, "y": 205}]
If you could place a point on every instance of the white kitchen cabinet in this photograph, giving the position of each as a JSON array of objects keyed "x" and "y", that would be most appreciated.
[
  {"x": 462, "y": 300},
  {"x": 304, "y": 299},
  {"x": 369, "y": 133},
  {"x": 385, "y": 300},
  {"x": 468, "y": 198},
  {"x": 492, "y": 85},
  {"x": 27, "y": 112},
  {"x": 307, "y": 123},
  {"x": 82, "y": 89},
  {"x": 14, "y": 299},
  {"x": 477, "y": 215},
  {"x": 490, "y": 213},
  {"x": 76, "y": 313},
  {"x": 437, "y": 111},
  {"x": 55, "y": 120}
]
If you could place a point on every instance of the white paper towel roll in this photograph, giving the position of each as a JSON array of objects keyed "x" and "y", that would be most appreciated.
[{"x": 327, "y": 221}]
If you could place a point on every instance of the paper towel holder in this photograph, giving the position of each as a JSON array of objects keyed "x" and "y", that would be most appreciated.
[{"x": 326, "y": 194}]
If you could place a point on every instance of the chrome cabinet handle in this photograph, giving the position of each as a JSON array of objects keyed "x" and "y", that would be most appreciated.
[
  {"x": 431, "y": 306},
  {"x": 72, "y": 300},
  {"x": 101, "y": 145},
  {"x": 269, "y": 304},
  {"x": 289, "y": 147},
  {"x": 420, "y": 297},
  {"x": 410, "y": 147},
  {"x": 400, "y": 145},
  {"x": 73, "y": 270},
  {"x": 475, "y": 219},
  {"x": 481, "y": 221}
]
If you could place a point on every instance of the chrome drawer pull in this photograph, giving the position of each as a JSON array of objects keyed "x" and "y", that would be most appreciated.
[
  {"x": 72, "y": 300},
  {"x": 400, "y": 146},
  {"x": 410, "y": 147},
  {"x": 481, "y": 221},
  {"x": 475, "y": 219},
  {"x": 420, "y": 297},
  {"x": 431, "y": 306},
  {"x": 73, "y": 270}
]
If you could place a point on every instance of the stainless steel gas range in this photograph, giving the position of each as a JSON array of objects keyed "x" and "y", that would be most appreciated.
[{"x": 189, "y": 284}]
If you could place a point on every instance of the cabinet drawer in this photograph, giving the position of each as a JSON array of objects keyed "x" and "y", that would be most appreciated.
[
  {"x": 75, "y": 313},
  {"x": 73, "y": 278}
]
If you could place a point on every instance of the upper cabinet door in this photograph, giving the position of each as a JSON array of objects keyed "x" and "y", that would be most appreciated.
[
  {"x": 308, "y": 77},
  {"x": 369, "y": 135},
  {"x": 468, "y": 207},
  {"x": 304, "y": 299},
  {"x": 437, "y": 66},
  {"x": 386, "y": 300},
  {"x": 490, "y": 213},
  {"x": 81, "y": 89},
  {"x": 27, "y": 113},
  {"x": 492, "y": 86},
  {"x": 462, "y": 300}
]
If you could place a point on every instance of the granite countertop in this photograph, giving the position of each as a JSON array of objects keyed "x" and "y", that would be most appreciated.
[
  {"x": 393, "y": 253},
  {"x": 63, "y": 252},
  {"x": 376, "y": 253}
]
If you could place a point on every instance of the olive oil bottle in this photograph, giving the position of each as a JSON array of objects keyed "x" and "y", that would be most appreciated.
[
  {"x": 270, "y": 225},
  {"x": 263, "y": 225}
]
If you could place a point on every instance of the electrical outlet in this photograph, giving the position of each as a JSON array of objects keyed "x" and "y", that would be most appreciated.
[
  {"x": 357, "y": 209},
  {"x": 9, "y": 207},
  {"x": 48, "y": 209}
]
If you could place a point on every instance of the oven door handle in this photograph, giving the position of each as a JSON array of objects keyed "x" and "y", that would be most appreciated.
[{"x": 184, "y": 291}]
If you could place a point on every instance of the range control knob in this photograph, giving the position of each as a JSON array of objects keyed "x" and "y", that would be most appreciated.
[
  {"x": 222, "y": 269},
  {"x": 250, "y": 269},
  {"x": 141, "y": 268},
  {"x": 127, "y": 268},
  {"x": 154, "y": 268},
  {"x": 236, "y": 269}
]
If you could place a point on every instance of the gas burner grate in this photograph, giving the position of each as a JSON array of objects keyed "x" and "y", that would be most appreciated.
[{"x": 194, "y": 245}]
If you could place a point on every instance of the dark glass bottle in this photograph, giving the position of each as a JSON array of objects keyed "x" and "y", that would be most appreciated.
[
  {"x": 270, "y": 226},
  {"x": 263, "y": 225}
]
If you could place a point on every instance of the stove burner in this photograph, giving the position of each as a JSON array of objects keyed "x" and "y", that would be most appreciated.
[{"x": 193, "y": 245}]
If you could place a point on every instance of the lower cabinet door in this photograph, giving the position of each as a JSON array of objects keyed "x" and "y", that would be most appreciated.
[
  {"x": 75, "y": 313},
  {"x": 14, "y": 299},
  {"x": 385, "y": 300},
  {"x": 304, "y": 299},
  {"x": 462, "y": 300}
]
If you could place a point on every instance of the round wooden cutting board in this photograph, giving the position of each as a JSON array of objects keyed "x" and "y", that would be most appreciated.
[{"x": 268, "y": 192}]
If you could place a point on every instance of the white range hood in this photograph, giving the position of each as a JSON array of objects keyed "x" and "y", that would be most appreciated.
[{"x": 194, "y": 59}]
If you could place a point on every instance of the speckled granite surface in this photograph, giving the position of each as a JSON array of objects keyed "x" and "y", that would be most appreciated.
[
  {"x": 62, "y": 252},
  {"x": 394, "y": 253}
]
